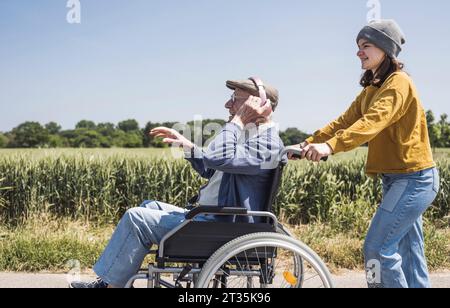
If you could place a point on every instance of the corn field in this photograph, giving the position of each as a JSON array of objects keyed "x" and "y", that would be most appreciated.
[{"x": 101, "y": 188}]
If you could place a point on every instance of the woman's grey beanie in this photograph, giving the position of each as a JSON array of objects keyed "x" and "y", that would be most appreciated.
[{"x": 385, "y": 34}]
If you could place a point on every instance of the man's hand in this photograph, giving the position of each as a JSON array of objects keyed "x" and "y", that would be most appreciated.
[
  {"x": 171, "y": 136},
  {"x": 252, "y": 112},
  {"x": 315, "y": 152}
]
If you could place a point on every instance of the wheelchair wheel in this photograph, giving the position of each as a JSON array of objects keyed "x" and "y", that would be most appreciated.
[
  {"x": 264, "y": 260},
  {"x": 298, "y": 262}
]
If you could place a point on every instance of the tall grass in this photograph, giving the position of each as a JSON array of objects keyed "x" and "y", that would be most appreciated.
[
  {"x": 101, "y": 188},
  {"x": 90, "y": 189},
  {"x": 314, "y": 192}
]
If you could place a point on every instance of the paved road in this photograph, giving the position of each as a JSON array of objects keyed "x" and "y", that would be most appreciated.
[{"x": 24, "y": 280}]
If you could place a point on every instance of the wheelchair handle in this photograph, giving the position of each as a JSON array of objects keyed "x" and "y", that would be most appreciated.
[{"x": 297, "y": 152}]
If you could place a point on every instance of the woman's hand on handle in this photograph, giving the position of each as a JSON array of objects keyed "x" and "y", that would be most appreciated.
[
  {"x": 315, "y": 152},
  {"x": 291, "y": 155}
]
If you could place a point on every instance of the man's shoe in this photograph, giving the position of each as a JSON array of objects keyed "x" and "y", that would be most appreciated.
[{"x": 98, "y": 284}]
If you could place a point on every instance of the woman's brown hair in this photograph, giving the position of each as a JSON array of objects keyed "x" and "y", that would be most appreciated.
[{"x": 386, "y": 69}]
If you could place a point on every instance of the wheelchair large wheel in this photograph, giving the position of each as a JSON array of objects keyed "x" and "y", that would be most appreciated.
[
  {"x": 298, "y": 262},
  {"x": 264, "y": 260}
]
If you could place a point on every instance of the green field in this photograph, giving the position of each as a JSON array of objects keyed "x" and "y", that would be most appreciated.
[
  {"x": 438, "y": 154},
  {"x": 57, "y": 205},
  {"x": 157, "y": 153},
  {"x": 89, "y": 153}
]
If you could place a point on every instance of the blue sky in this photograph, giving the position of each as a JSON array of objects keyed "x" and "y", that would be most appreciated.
[{"x": 168, "y": 60}]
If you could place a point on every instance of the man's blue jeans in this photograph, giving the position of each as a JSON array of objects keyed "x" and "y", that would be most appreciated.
[
  {"x": 137, "y": 231},
  {"x": 394, "y": 247}
]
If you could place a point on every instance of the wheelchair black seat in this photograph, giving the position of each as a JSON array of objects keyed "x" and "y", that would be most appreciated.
[{"x": 197, "y": 241}]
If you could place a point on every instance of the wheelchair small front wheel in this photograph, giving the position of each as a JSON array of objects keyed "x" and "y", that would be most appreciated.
[{"x": 264, "y": 260}]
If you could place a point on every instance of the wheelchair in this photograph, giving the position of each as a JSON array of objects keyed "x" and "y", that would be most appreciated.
[{"x": 263, "y": 254}]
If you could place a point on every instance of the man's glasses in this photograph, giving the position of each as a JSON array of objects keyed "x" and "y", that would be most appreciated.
[{"x": 234, "y": 97}]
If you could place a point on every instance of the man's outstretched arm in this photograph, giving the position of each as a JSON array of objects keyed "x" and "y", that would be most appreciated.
[{"x": 193, "y": 154}]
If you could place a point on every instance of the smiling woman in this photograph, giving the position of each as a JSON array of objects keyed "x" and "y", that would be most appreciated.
[
  {"x": 378, "y": 65},
  {"x": 389, "y": 116}
]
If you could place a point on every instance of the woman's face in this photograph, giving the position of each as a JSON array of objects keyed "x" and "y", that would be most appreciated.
[{"x": 370, "y": 55}]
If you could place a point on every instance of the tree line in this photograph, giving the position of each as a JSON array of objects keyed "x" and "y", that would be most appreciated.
[
  {"x": 128, "y": 134},
  {"x": 439, "y": 131}
]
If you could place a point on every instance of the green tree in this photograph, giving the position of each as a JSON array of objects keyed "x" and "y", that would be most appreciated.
[
  {"x": 432, "y": 129},
  {"x": 122, "y": 139},
  {"x": 86, "y": 124},
  {"x": 53, "y": 128},
  {"x": 436, "y": 133},
  {"x": 69, "y": 136},
  {"x": 445, "y": 131},
  {"x": 118, "y": 138},
  {"x": 129, "y": 125},
  {"x": 57, "y": 141},
  {"x": 29, "y": 135},
  {"x": 293, "y": 136},
  {"x": 86, "y": 138},
  {"x": 106, "y": 129},
  {"x": 149, "y": 141},
  {"x": 133, "y": 140},
  {"x": 3, "y": 141}
]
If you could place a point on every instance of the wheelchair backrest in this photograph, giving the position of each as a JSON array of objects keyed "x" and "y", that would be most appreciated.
[{"x": 277, "y": 175}]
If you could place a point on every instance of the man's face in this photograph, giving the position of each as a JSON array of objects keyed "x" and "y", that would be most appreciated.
[{"x": 240, "y": 97}]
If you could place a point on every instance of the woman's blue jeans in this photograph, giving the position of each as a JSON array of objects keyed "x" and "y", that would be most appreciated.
[{"x": 394, "y": 248}]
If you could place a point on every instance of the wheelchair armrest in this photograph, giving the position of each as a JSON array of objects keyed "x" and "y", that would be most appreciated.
[{"x": 216, "y": 210}]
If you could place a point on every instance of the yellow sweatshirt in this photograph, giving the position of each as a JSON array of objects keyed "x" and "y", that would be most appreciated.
[{"x": 392, "y": 120}]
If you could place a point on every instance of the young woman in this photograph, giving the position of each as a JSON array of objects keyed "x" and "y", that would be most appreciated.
[{"x": 389, "y": 116}]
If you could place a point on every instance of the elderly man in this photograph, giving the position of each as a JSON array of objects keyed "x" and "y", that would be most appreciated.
[{"x": 237, "y": 163}]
